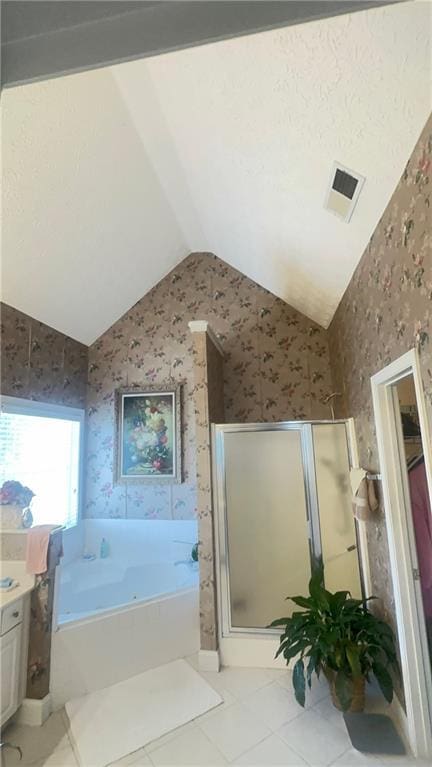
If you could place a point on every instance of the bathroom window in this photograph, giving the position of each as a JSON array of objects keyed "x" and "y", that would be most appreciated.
[{"x": 40, "y": 446}]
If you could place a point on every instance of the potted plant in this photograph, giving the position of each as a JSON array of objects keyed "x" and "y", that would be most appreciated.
[
  {"x": 338, "y": 636},
  {"x": 15, "y": 498}
]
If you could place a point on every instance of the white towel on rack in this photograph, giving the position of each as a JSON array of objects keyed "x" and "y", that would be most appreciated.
[
  {"x": 364, "y": 499},
  {"x": 356, "y": 476}
]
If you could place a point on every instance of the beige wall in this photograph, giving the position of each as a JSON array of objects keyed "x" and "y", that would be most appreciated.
[
  {"x": 276, "y": 368},
  {"x": 276, "y": 360},
  {"x": 208, "y": 397},
  {"x": 386, "y": 310},
  {"x": 38, "y": 362}
]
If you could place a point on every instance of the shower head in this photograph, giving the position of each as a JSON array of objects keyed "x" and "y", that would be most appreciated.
[{"x": 328, "y": 401}]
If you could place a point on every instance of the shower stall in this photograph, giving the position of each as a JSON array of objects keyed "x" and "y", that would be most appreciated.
[{"x": 283, "y": 505}]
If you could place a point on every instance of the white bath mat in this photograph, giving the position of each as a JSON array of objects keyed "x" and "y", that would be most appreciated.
[{"x": 111, "y": 723}]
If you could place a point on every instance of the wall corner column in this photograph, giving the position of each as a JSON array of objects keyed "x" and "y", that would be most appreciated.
[{"x": 208, "y": 408}]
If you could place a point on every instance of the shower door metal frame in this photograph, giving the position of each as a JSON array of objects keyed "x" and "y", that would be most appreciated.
[{"x": 219, "y": 489}]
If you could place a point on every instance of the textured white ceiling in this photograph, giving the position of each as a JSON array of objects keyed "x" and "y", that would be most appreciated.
[{"x": 111, "y": 177}]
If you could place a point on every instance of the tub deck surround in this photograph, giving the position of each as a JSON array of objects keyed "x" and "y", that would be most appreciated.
[
  {"x": 209, "y": 408},
  {"x": 134, "y": 610},
  {"x": 16, "y": 570},
  {"x": 136, "y": 541},
  {"x": 114, "y": 645}
]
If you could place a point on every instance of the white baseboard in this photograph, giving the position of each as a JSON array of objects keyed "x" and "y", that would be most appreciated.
[
  {"x": 34, "y": 712},
  {"x": 208, "y": 660},
  {"x": 400, "y": 719},
  {"x": 253, "y": 652}
]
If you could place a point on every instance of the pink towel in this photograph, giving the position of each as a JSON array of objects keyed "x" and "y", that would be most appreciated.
[{"x": 37, "y": 548}]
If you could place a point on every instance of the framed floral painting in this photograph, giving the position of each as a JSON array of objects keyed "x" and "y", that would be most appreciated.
[{"x": 148, "y": 446}]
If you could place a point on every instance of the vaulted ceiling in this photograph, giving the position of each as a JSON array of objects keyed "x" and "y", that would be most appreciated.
[{"x": 113, "y": 176}]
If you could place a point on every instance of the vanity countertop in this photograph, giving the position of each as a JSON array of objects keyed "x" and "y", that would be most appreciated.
[{"x": 15, "y": 569}]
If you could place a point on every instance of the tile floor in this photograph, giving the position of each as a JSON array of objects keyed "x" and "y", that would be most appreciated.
[{"x": 259, "y": 723}]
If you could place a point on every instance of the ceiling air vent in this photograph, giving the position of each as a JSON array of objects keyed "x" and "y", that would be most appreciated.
[{"x": 343, "y": 192}]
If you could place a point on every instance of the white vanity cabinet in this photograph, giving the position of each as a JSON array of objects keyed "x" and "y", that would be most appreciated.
[
  {"x": 14, "y": 636},
  {"x": 10, "y": 658}
]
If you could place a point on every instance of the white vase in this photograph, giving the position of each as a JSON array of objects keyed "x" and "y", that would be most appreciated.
[{"x": 11, "y": 517}]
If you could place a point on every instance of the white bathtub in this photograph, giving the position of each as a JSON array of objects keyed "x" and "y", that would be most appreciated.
[
  {"x": 117, "y": 617},
  {"x": 90, "y": 587}
]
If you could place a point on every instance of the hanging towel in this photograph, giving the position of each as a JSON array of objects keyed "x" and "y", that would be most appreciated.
[
  {"x": 37, "y": 548},
  {"x": 365, "y": 501},
  {"x": 356, "y": 476}
]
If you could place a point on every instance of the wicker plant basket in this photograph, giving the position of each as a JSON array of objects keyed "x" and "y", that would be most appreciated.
[
  {"x": 358, "y": 701},
  {"x": 11, "y": 517}
]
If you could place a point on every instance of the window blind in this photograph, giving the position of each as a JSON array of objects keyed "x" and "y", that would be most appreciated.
[{"x": 43, "y": 452}]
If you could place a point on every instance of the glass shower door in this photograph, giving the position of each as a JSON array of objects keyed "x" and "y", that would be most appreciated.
[
  {"x": 284, "y": 504},
  {"x": 266, "y": 524},
  {"x": 336, "y": 519}
]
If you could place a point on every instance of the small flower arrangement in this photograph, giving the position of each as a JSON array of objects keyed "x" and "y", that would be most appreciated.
[{"x": 15, "y": 494}]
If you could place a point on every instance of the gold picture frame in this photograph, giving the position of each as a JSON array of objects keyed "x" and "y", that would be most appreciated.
[{"x": 148, "y": 435}]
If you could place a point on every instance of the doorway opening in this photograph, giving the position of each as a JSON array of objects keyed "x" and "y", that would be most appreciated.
[{"x": 406, "y": 466}]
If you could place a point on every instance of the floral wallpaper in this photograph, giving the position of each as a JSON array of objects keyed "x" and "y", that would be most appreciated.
[
  {"x": 215, "y": 381},
  {"x": 276, "y": 365},
  {"x": 38, "y": 362},
  {"x": 39, "y": 650},
  {"x": 276, "y": 368},
  {"x": 209, "y": 407},
  {"x": 41, "y": 621},
  {"x": 387, "y": 310}
]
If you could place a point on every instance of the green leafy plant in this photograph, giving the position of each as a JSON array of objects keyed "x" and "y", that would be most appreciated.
[{"x": 338, "y": 636}]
